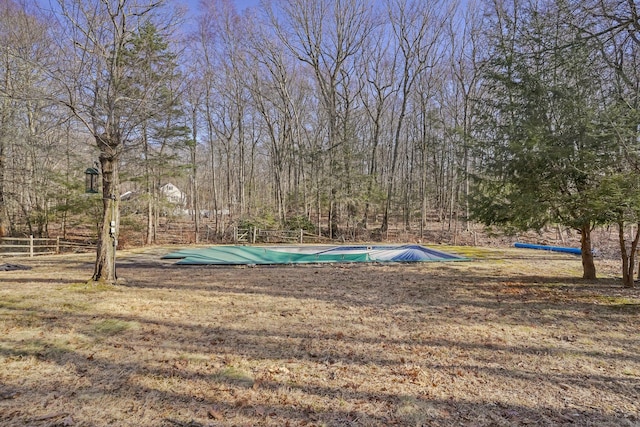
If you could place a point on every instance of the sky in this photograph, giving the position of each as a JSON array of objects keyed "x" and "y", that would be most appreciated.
[
  {"x": 192, "y": 4},
  {"x": 240, "y": 4}
]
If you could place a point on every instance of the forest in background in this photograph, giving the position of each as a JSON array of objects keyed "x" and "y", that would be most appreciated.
[{"x": 341, "y": 117}]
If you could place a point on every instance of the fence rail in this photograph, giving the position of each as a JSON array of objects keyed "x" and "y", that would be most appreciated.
[
  {"x": 32, "y": 246},
  {"x": 256, "y": 235}
]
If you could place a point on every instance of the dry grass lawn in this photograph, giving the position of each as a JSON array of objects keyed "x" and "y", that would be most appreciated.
[{"x": 511, "y": 338}]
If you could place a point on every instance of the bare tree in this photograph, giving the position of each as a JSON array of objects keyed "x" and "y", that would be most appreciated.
[
  {"x": 466, "y": 62},
  {"x": 194, "y": 99},
  {"x": 98, "y": 91},
  {"x": 227, "y": 98},
  {"x": 28, "y": 120},
  {"x": 379, "y": 82},
  {"x": 9, "y": 13},
  {"x": 326, "y": 35},
  {"x": 418, "y": 28},
  {"x": 271, "y": 90}
]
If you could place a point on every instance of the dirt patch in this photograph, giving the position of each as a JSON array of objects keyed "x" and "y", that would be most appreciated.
[{"x": 512, "y": 338}]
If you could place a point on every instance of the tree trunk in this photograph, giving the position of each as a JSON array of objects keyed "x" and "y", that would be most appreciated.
[
  {"x": 195, "y": 202},
  {"x": 4, "y": 219},
  {"x": 151, "y": 235},
  {"x": 105, "y": 270},
  {"x": 149, "y": 188},
  {"x": 588, "y": 266},
  {"x": 628, "y": 257}
]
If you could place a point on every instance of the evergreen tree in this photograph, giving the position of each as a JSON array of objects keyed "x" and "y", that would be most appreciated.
[
  {"x": 154, "y": 79},
  {"x": 614, "y": 26},
  {"x": 543, "y": 156}
]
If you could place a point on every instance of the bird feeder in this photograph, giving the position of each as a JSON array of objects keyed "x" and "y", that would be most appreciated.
[{"x": 91, "y": 180}]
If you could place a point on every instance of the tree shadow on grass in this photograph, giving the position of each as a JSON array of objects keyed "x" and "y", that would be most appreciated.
[
  {"x": 232, "y": 381},
  {"x": 63, "y": 281},
  {"x": 226, "y": 400}
]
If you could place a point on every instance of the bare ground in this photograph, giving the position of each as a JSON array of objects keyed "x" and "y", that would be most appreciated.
[{"x": 511, "y": 338}]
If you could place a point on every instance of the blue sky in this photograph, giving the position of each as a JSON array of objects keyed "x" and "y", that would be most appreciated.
[
  {"x": 193, "y": 4},
  {"x": 240, "y": 4}
]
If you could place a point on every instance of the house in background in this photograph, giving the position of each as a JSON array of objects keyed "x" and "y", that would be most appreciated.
[
  {"x": 128, "y": 195},
  {"x": 173, "y": 194},
  {"x": 172, "y": 201}
]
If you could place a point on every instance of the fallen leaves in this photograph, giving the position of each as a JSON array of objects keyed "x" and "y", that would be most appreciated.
[
  {"x": 66, "y": 421},
  {"x": 435, "y": 344},
  {"x": 215, "y": 414}
]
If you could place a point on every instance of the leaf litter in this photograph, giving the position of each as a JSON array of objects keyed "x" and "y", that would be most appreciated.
[{"x": 496, "y": 341}]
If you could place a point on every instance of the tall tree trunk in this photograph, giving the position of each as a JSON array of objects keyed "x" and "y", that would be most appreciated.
[
  {"x": 4, "y": 123},
  {"x": 150, "y": 239},
  {"x": 588, "y": 266},
  {"x": 394, "y": 158},
  {"x": 628, "y": 256},
  {"x": 3, "y": 217},
  {"x": 195, "y": 204},
  {"x": 151, "y": 235},
  {"x": 155, "y": 197},
  {"x": 213, "y": 204},
  {"x": 105, "y": 270}
]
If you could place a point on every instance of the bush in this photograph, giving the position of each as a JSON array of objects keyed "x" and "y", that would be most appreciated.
[
  {"x": 300, "y": 222},
  {"x": 265, "y": 223}
]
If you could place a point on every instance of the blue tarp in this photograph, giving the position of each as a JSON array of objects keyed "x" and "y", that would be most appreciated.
[{"x": 575, "y": 251}]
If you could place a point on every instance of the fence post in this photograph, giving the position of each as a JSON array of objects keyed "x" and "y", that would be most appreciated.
[
  {"x": 235, "y": 235},
  {"x": 31, "y": 245},
  {"x": 301, "y": 235},
  {"x": 255, "y": 231},
  {"x": 58, "y": 245}
]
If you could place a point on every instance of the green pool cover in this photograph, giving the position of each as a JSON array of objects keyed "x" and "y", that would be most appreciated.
[{"x": 269, "y": 255}]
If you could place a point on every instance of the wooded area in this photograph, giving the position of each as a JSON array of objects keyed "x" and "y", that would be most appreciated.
[{"x": 331, "y": 116}]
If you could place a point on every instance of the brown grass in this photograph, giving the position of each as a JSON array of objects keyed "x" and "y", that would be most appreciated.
[{"x": 511, "y": 338}]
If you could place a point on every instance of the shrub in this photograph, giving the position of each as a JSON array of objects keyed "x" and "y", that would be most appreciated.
[{"x": 300, "y": 222}]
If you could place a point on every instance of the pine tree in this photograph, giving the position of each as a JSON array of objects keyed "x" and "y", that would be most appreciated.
[{"x": 154, "y": 79}]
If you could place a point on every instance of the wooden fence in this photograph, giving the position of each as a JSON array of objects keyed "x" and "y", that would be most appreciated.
[
  {"x": 257, "y": 235},
  {"x": 32, "y": 246}
]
